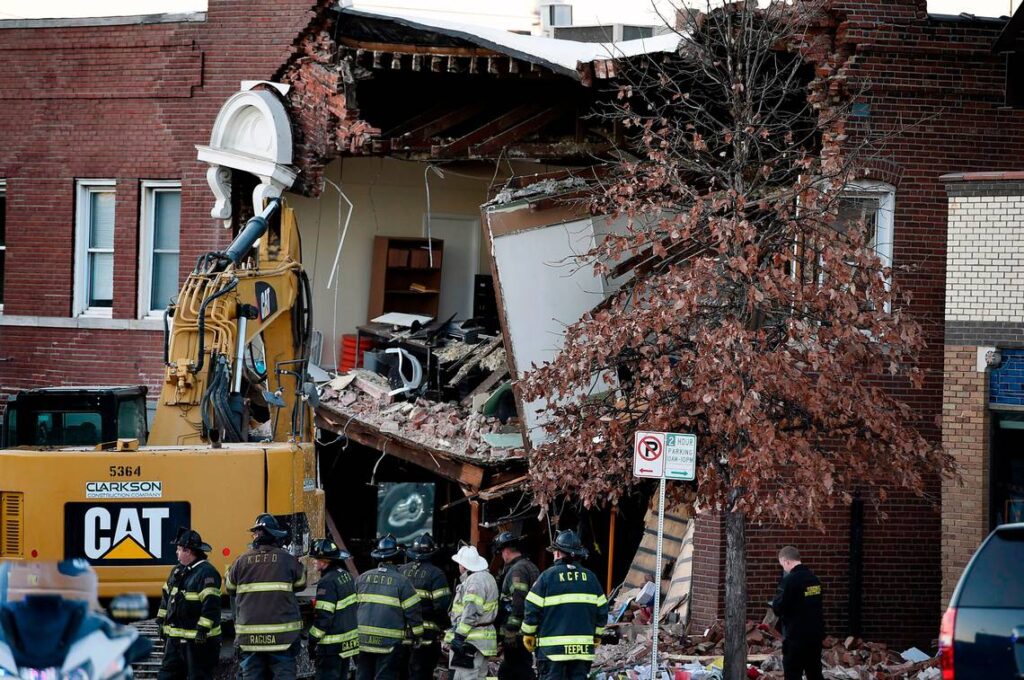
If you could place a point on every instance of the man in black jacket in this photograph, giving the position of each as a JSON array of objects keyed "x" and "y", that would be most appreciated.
[
  {"x": 798, "y": 604},
  {"x": 515, "y": 580},
  {"x": 435, "y": 598},
  {"x": 189, "y": 615},
  {"x": 334, "y": 636}
]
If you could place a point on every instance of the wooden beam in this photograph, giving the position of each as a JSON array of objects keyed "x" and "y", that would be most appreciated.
[
  {"x": 332, "y": 529},
  {"x": 402, "y": 48},
  {"x": 517, "y": 131},
  {"x": 435, "y": 461},
  {"x": 420, "y": 136},
  {"x": 485, "y": 131}
]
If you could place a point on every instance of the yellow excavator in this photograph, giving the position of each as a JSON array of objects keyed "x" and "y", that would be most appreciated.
[{"x": 80, "y": 475}]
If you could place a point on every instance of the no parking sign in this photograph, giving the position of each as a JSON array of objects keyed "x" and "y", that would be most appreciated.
[{"x": 649, "y": 454}]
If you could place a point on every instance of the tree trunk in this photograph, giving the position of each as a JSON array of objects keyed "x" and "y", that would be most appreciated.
[{"x": 735, "y": 596}]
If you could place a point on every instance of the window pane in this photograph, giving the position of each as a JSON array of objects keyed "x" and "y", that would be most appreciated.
[
  {"x": 3, "y": 219},
  {"x": 131, "y": 420},
  {"x": 853, "y": 209},
  {"x": 2, "y": 254},
  {"x": 994, "y": 579},
  {"x": 101, "y": 279},
  {"x": 167, "y": 218},
  {"x": 101, "y": 228},
  {"x": 165, "y": 279}
]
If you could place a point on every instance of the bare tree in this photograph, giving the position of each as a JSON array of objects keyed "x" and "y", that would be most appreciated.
[{"x": 755, "y": 314}]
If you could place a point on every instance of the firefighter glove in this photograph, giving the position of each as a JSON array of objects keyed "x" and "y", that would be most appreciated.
[
  {"x": 201, "y": 635},
  {"x": 530, "y": 642},
  {"x": 160, "y": 627},
  {"x": 312, "y": 649},
  {"x": 458, "y": 644},
  {"x": 510, "y": 636}
]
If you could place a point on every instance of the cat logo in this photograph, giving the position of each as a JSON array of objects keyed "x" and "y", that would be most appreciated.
[
  {"x": 123, "y": 533},
  {"x": 266, "y": 297}
]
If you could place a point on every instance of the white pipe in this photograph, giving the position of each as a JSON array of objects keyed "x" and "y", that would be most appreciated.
[{"x": 331, "y": 280}]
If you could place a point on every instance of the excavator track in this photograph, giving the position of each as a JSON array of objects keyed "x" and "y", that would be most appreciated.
[{"x": 149, "y": 667}]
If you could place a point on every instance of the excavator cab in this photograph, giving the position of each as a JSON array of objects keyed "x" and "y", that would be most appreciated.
[{"x": 75, "y": 416}]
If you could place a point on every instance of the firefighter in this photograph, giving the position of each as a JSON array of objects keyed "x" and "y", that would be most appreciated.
[
  {"x": 516, "y": 578},
  {"x": 264, "y": 581},
  {"x": 334, "y": 637},
  {"x": 472, "y": 638},
  {"x": 389, "y": 611},
  {"x": 189, "y": 615},
  {"x": 565, "y": 613},
  {"x": 435, "y": 598},
  {"x": 798, "y": 604}
]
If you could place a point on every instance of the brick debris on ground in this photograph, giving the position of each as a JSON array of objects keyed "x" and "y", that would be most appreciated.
[{"x": 849, "y": 659}]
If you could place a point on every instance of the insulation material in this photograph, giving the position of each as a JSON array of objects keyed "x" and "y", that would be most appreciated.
[
  {"x": 677, "y": 520},
  {"x": 678, "y": 598}
]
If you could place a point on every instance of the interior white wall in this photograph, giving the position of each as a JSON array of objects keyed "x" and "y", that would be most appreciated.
[{"x": 389, "y": 199}]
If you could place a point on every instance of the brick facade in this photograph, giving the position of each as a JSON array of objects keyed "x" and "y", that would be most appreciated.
[
  {"x": 125, "y": 100},
  {"x": 984, "y": 312},
  {"x": 965, "y": 428},
  {"x": 935, "y": 81}
]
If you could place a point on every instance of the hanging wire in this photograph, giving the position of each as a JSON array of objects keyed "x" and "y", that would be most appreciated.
[{"x": 426, "y": 184}]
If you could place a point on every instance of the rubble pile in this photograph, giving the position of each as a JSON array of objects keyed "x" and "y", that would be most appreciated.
[
  {"x": 443, "y": 426},
  {"x": 701, "y": 656}
]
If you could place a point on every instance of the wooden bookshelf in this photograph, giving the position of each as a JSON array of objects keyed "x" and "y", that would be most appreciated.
[{"x": 403, "y": 277}]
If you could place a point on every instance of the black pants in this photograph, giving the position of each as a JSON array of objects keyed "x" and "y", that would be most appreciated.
[
  {"x": 516, "y": 662},
  {"x": 270, "y": 665},
  {"x": 563, "y": 670},
  {"x": 423, "y": 660},
  {"x": 801, "y": 658},
  {"x": 378, "y": 666},
  {"x": 331, "y": 667},
  {"x": 186, "y": 660}
]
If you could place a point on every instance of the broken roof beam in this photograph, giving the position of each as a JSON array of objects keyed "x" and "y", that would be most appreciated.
[
  {"x": 420, "y": 135},
  {"x": 518, "y": 131},
  {"x": 486, "y": 131},
  {"x": 462, "y": 473}
]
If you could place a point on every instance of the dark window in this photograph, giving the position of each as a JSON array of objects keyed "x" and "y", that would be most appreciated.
[
  {"x": 1015, "y": 80},
  {"x": 994, "y": 579}
]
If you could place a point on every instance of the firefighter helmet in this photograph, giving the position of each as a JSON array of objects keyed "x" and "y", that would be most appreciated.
[
  {"x": 268, "y": 523},
  {"x": 422, "y": 548},
  {"x": 326, "y": 549},
  {"x": 387, "y": 548},
  {"x": 568, "y": 543}
]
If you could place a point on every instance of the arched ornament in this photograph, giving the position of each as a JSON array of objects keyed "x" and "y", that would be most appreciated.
[{"x": 252, "y": 133}]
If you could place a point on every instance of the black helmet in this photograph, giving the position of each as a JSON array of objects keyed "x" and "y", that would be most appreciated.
[
  {"x": 187, "y": 538},
  {"x": 422, "y": 548},
  {"x": 326, "y": 549},
  {"x": 506, "y": 539},
  {"x": 268, "y": 523},
  {"x": 387, "y": 548},
  {"x": 568, "y": 543}
]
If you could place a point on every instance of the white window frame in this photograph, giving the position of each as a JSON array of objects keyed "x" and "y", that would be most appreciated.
[
  {"x": 147, "y": 222},
  {"x": 885, "y": 220},
  {"x": 3, "y": 246},
  {"x": 84, "y": 188}
]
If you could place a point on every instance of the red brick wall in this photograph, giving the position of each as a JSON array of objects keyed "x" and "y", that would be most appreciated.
[
  {"x": 126, "y": 102},
  {"x": 937, "y": 83}
]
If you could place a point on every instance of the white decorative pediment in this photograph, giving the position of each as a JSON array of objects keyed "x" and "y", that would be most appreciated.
[{"x": 253, "y": 134}]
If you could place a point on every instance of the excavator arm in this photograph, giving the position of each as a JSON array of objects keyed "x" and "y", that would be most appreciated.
[{"x": 255, "y": 291}]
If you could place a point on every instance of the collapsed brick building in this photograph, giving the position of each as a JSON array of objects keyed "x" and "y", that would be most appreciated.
[{"x": 371, "y": 97}]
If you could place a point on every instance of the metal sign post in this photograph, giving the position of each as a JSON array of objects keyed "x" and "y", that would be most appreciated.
[
  {"x": 655, "y": 625},
  {"x": 661, "y": 455}
]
